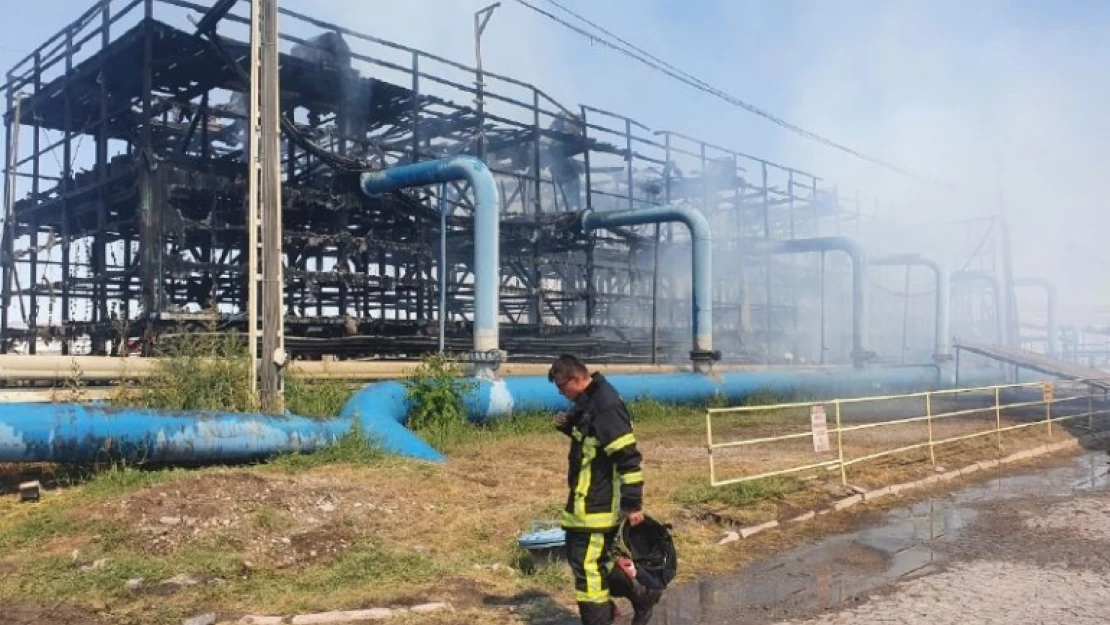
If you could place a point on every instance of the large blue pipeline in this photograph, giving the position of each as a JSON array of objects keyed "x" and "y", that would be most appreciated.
[{"x": 80, "y": 433}]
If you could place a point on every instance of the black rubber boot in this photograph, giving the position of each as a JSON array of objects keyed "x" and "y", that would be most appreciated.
[
  {"x": 643, "y": 599},
  {"x": 597, "y": 613},
  {"x": 643, "y": 603}
]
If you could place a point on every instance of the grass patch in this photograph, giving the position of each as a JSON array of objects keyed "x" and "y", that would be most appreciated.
[
  {"x": 366, "y": 563},
  {"x": 353, "y": 448},
  {"x": 700, "y": 493},
  {"x": 366, "y": 570},
  {"x": 208, "y": 370},
  {"x": 45, "y": 524},
  {"x": 54, "y": 578},
  {"x": 547, "y": 573},
  {"x": 315, "y": 398},
  {"x": 56, "y": 517},
  {"x": 272, "y": 520},
  {"x": 197, "y": 371},
  {"x": 112, "y": 479}
]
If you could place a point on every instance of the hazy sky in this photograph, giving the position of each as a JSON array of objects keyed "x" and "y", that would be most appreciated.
[{"x": 1000, "y": 99}]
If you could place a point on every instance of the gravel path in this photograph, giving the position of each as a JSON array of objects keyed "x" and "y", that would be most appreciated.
[
  {"x": 982, "y": 593},
  {"x": 1028, "y": 560},
  {"x": 1018, "y": 549}
]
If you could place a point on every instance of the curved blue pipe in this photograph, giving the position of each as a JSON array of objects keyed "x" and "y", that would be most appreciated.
[
  {"x": 855, "y": 251},
  {"x": 79, "y": 433},
  {"x": 702, "y": 249},
  {"x": 943, "y": 311},
  {"x": 487, "y": 225}
]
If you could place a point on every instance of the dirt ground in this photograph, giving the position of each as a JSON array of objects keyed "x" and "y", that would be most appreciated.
[{"x": 270, "y": 540}]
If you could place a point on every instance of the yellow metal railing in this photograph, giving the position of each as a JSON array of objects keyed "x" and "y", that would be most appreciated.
[{"x": 824, "y": 436}]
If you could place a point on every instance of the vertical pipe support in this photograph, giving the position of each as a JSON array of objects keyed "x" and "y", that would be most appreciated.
[
  {"x": 840, "y": 444},
  {"x": 252, "y": 199},
  {"x": 442, "y": 267},
  {"x": 929, "y": 423},
  {"x": 997, "y": 412},
  {"x": 273, "y": 284}
]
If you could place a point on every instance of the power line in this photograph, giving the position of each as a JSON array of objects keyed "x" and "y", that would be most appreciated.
[{"x": 628, "y": 49}]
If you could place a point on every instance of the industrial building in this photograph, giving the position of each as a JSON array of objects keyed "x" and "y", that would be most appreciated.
[{"x": 126, "y": 210}]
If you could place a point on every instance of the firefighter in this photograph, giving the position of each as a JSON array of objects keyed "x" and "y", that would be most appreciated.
[{"x": 606, "y": 484}]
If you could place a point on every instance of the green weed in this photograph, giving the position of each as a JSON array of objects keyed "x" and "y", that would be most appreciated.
[
  {"x": 435, "y": 393},
  {"x": 197, "y": 371},
  {"x": 315, "y": 398}
]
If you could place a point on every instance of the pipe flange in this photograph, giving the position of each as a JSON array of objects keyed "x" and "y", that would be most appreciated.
[
  {"x": 704, "y": 359},
  {"x": 491, "y": 358},
  {"x": 862, "y": 357}
]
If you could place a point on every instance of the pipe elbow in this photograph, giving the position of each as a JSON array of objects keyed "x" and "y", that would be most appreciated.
[
  {"x": 380, "y": 411},
  {"x": 697, "y": 222},
  {"x": 849, "y": 246},
  {"x": 470, "y": 168},
  {"x": 694, "y": 220}
]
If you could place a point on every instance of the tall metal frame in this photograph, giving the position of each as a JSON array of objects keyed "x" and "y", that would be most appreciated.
[{"x": 151, "y": 232}]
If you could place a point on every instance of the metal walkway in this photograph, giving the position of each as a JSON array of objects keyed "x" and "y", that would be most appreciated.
[{"x": 1039, "y": 362}]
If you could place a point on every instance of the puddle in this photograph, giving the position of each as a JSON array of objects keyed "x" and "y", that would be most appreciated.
[{"x": 842, "y": 569}]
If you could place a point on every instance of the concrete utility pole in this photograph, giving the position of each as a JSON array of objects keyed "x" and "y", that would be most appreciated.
[
  {"x": 253, "y": 168},
  {"x": 481, "y": 19},
  {"x": 273, "y": 309}
]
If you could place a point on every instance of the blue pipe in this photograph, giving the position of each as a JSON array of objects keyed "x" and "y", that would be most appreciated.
[
  {"x": 943, "y": 300},
  {"x": 83, "y": 433},
  {"x": 487, "y": 224},
  {"x": 855, "y": 251},
  {"x": 492, "y": 399},
  {"x": 80, "y": 433},
  {"x": 38, "y": 432},
  {"x": 702, "y": 244}
]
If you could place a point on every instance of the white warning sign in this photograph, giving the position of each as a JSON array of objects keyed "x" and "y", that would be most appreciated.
[{"x": 819, "y": 424}]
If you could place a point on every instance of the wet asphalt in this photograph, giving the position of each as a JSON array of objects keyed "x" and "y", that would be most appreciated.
[{"x": 1027, "y": 547}]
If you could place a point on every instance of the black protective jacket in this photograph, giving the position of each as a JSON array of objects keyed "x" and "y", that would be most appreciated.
[{"x": 604, "y": 475}]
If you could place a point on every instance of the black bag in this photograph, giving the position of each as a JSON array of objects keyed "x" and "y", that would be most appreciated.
[{"x": 651, "y": 548}]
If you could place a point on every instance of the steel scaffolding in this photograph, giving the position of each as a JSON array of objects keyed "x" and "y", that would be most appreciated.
[{"x": 127, "y": 204}]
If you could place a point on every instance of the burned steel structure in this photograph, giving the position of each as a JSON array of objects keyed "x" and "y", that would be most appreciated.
[{"x": 125, "y": 211}]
